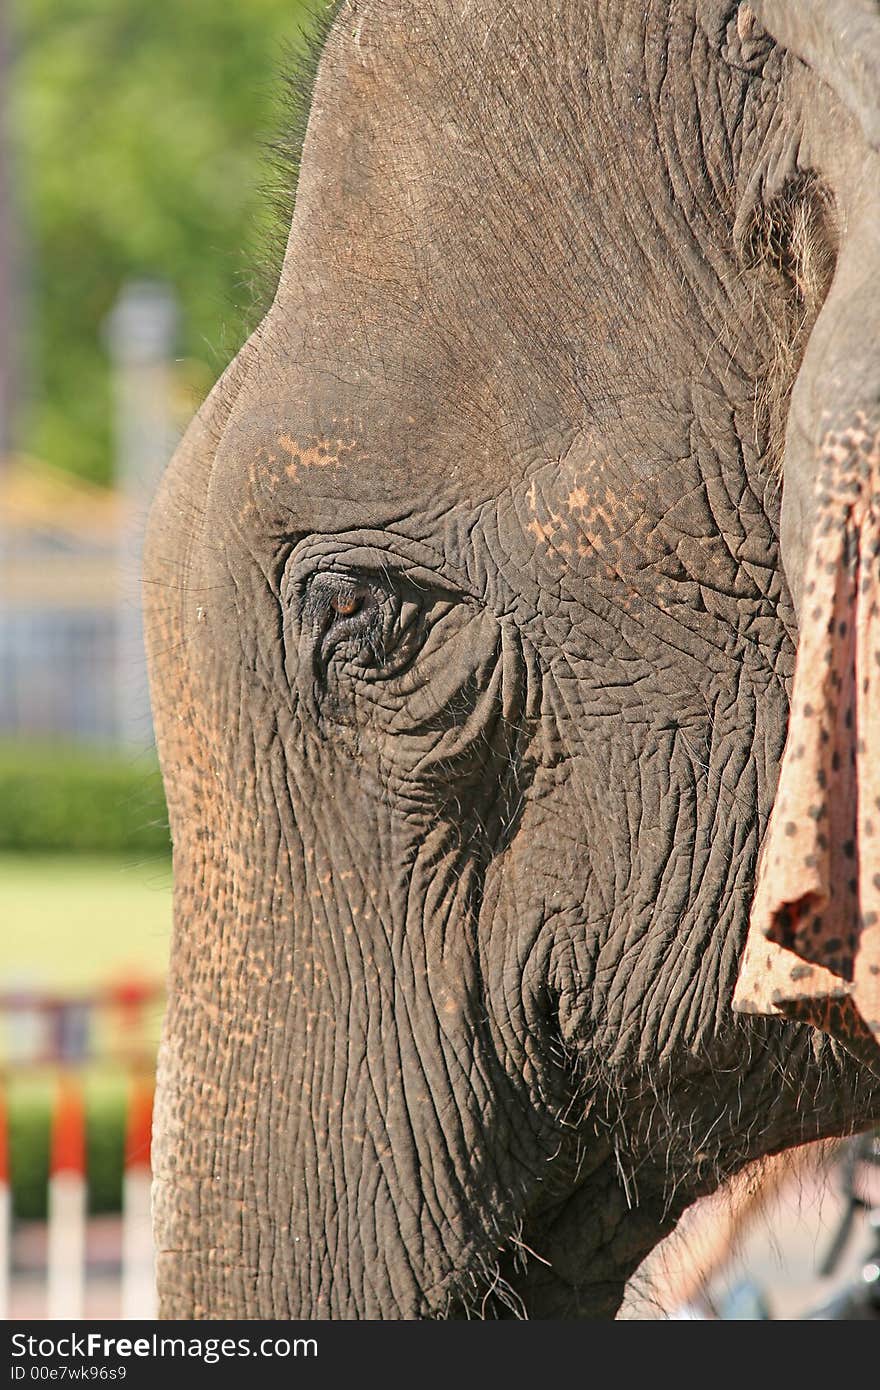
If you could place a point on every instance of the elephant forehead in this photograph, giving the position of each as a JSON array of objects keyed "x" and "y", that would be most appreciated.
[
  {"x": 557, "y": 505},
  {"x": 335, "y": 429},
  {"x": 448, "y": 215},
  {"x": 361, "y": 469}
]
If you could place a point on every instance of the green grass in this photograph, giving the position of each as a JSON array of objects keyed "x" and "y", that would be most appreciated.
[{"x": 72, "y": 922}]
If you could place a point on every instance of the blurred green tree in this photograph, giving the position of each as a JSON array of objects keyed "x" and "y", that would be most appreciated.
[{"x": 137, "y": 129}]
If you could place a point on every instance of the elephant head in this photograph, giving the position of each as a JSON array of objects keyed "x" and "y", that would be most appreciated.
[{"x": 471, "y": 646}]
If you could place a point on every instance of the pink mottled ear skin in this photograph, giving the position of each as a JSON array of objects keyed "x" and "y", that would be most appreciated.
[{"x": 813, "y": 951}]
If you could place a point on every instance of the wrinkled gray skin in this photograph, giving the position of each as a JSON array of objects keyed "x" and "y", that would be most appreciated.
[{"x": 470, "y": 650}]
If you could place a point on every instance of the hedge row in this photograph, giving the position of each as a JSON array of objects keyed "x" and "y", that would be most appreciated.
[
  {"x": 62, "y": 797},
  {"x": 29, "y": 1124}
]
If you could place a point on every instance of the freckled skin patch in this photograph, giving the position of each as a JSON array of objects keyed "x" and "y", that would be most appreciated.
[
  {"x": 321, "y": 453},
  {"x": 579, "y": 517},
  {"x": 814, "y": 945}
]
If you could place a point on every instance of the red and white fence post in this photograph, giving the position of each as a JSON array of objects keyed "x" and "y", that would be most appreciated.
[
  {"x": 66, "y": 1259},
  {"x": 5, "y": 1210},
  {"x": 57, "y": 1031},
  {"x": 138, "y": 1278}
]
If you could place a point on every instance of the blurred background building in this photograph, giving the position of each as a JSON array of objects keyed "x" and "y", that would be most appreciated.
[
  {"x": 71, "y": 640},
  {"x": 58, "y": 581}
]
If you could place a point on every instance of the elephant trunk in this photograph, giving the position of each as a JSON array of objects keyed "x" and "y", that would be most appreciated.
[{"x": 813, "y": 950}]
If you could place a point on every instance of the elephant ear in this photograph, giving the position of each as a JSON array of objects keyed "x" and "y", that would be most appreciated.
[
  {"x": 813, "y": 947},
  {"x": 813, "y": 951}
]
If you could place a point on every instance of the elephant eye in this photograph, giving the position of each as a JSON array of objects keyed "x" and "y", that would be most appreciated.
[
  {"x": 352, "y": 617},
  {"x": 346, "y": 605},
  {"x": 341, "y": 604},
  {"x": 362, "y": 623}
]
